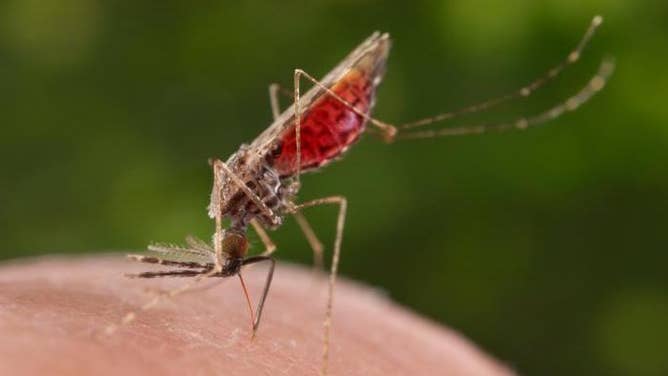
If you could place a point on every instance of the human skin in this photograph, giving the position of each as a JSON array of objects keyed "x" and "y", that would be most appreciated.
[{"x": 54, "y": 311}]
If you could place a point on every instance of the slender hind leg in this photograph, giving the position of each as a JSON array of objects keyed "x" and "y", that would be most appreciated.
[
  {"x": 390, "y": 132},
  {"x": 595, "y": 84},
  {"x": 269, "y": 245},
  {"x": 523, "y": 92},
  {"x": 273, "y": 100},
  {"x": 340, "y": 223},
  {"x": 313, "y": 241},
  {"x": 274, "y": 90},
  {"x": 215, "y": 211},
  {"x": 309, "y": 234}
]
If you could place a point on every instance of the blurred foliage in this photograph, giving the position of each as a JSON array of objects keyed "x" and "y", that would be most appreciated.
[{"x": 546, "y": 247}]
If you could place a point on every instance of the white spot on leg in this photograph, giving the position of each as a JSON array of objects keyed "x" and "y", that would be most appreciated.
[
  {"x": 573, "y": 56},
  {"x": 522, "y": 124},
  {"x": 597, "y": 83},
  {"x": 598, "y": 20},
  {"x": 572, "y": 104}
]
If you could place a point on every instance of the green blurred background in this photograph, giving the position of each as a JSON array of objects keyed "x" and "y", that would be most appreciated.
[{"x": 546, "y": 247}]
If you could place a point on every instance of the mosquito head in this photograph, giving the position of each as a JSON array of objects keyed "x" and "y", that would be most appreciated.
[{"x": 235, "y": 244}]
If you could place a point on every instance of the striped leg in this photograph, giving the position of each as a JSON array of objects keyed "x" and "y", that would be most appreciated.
[
  {"x": 313, "y": 241},
  {"x": 340, "y": 223},
  {"x": 389, "y": 132},
  {"x": 269, "y": 245}
]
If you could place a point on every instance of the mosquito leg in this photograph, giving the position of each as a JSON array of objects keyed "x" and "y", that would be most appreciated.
[
  {"x": 312, "y": 239},
  {"x": 273, "y": 100},
  {"x": 340, "y": 223},
  {"x": 595, "y": 84},
  {"x": 269, "y": 246},
  {"x": 298, "y": 125},
  {"x": 274, "y": 91},
  {"x": 390, "y": 132},
  {"x": 523, "y": 92},
  {"x": 216, "y": 211},
  {"x": 316, "y": 245}
]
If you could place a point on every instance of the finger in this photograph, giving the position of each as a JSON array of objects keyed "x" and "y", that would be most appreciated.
[{"x": 52, "y": 312}]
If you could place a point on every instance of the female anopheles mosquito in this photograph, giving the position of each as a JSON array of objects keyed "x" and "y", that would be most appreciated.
[{"x": 258, "y": 184}]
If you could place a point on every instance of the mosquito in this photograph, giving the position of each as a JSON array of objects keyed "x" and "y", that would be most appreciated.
[{"x": 257, "y": 186}]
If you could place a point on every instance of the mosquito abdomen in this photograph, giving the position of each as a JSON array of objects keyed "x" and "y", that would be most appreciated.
[{"x": 328, "y": 126}]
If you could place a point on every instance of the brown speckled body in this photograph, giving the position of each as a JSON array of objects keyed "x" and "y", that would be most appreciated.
[{"x": 268, "y": 166}]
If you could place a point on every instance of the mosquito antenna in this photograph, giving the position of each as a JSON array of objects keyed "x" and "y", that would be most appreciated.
[
  {"x": 596, "y": 83},
  {"x": 523, "y": 92}
]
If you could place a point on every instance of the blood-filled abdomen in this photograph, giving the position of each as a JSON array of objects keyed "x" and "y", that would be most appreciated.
[{"x": 328, "y": 126}]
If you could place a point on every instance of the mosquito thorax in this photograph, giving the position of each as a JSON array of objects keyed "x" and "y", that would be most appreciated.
[{"x": 235, "y": 244}]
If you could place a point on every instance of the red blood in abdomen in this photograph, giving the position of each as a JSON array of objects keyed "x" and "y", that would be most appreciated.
[{"x": 328, "y": 126}]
